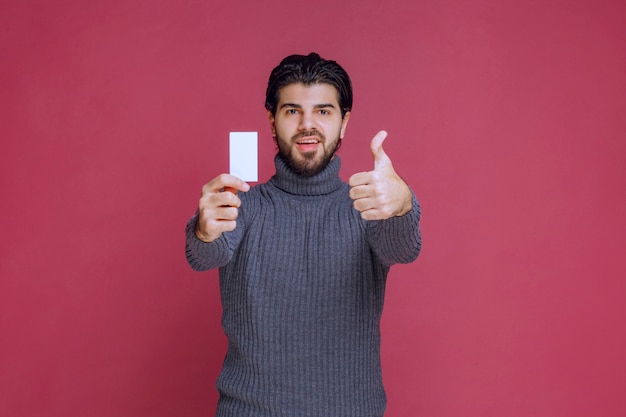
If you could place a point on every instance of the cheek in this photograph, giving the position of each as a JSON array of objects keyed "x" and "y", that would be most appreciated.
[
  {"x": 334, "y": 130},
  {"x": 283, "y": 127}
]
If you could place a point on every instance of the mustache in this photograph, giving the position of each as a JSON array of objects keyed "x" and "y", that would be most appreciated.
[{"x": 308, "y": 133}]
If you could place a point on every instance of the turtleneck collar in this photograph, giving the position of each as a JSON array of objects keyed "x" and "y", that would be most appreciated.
[{"x": 325, "y": 182}]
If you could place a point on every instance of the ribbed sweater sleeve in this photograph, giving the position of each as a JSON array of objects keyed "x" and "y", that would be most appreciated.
[
  {"x": 203, "y": 256},
  {"x": 397, "y": 239}
]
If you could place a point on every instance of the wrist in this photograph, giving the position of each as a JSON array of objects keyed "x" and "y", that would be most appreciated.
[
  {"x": 407, "y": 203},
  {"x": 203, "y": 237}
]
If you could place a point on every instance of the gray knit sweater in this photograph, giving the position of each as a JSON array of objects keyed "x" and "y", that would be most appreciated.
[{"x": 302, "y": 281}]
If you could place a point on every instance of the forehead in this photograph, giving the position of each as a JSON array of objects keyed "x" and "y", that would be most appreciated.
[{"x": 299, "y": 93}]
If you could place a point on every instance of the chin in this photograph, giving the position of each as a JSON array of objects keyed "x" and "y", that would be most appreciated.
[{"x": 308, "y": 167}]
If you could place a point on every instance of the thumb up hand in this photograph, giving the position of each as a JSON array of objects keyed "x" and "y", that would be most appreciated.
[{"x": 381, "y": 193}]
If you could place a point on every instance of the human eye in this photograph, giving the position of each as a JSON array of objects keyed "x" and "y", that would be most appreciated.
[{"x": 292, "y": 111}]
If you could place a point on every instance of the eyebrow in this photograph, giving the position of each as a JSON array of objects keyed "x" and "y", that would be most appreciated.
[{"x": 317, "y": 106}]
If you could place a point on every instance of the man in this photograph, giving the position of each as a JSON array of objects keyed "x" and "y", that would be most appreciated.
[{"x": 304, "y": 258}]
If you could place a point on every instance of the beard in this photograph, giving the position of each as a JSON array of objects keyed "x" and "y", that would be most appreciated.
[{"x": 310, "y": 163}]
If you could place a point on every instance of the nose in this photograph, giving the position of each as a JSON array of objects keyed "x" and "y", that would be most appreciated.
[{"x": 307, "y": 121}]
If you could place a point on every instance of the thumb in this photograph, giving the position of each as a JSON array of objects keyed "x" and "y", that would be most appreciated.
[{"x": 376, "y": 146}]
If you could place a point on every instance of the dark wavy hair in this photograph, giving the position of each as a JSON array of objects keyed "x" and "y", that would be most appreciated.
[{"x": 309, "y": 70}]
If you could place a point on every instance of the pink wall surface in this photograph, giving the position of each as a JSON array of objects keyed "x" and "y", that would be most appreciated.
[{"x": 506, "y": 117}]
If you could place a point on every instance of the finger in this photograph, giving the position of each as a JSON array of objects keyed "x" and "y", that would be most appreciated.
[
  {"x": 372, "y": 215},
  {"x": 211, "y": 216},
  {"x": 362, "y": 204},
  {"x": 234, "y": 184},
  {"x": 226, "y": 213},
  {"x": 228, "y": 226},
  {"x": 220, "y": 226},
  {"x": 209, "y": 230},
  {"x": 227, "y": 181},
  {"x": 381, "y": 159},
  {"x": 361, "y": 178},
  {"x": 220, "y": 199},
  {"x": 360, "y": 191}
]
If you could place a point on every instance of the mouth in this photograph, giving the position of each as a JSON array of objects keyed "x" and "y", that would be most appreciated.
[{"x": 308, "y": 143}]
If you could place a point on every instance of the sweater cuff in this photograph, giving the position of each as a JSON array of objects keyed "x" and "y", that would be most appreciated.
[
  {"x": 204, "y": 255},
  {"x": 398, "y": 239}
]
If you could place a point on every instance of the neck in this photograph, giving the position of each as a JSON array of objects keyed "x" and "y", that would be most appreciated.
[{"x": 322, "y": 183}]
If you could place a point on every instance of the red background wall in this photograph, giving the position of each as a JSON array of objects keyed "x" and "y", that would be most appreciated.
[{"x": 506, "y": 117}]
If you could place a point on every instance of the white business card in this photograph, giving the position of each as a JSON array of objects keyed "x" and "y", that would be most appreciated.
[{"x": 244, "y": 155}]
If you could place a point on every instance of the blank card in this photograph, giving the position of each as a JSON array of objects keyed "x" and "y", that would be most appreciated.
[{"x": 244, "y": 155}]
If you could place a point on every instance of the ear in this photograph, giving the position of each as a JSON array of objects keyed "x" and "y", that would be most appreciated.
[
  {"x": 272, "y": 119},
  {"x": 344, "y": 124}
]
